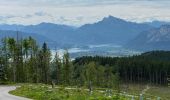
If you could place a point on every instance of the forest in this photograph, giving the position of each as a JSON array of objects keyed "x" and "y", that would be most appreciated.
[
  {"x": 151, "y": 67},
  {"x": 23, "y": 61}
]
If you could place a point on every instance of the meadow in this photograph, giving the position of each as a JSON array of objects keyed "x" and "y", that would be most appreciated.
[{"x": 133, "y": 92}]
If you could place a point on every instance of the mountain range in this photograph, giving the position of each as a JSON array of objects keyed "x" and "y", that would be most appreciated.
[
  {"x": 41, "y": 39},
  {"x": 110, "y": 30},
  {"x": 154, "y": 39}
]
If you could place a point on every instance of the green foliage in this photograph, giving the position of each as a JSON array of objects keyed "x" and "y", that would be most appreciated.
[
  {"x": 67, "y": 69},
  {"x": 23, "y": 61},
  {"x": 56, "y": 70},
  {"x": 44, "y": 64},
  {"x": 19, "y": 61},
  {"x": 44, "y": 92},
  {"x": 150, "y": 67}
]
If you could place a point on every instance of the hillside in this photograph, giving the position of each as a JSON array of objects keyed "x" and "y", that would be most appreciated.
[
  {"x": 154, "y": 39},
  {"x": 40, "y": 39},
  {"x": 110, "y": 30}
]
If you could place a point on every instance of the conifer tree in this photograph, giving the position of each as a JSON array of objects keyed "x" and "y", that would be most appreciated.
[
  {"x": 67, "y": 70},
  {"x": 57, "y": 69}
]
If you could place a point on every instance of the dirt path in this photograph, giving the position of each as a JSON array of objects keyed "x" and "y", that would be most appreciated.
[
  {"x": 4, "y": 95},
  {"x": 145, "y": 90}
]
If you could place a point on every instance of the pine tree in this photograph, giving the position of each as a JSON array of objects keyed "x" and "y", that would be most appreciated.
[
  {"x": 12, "y": 51},
  {"x": 57, "y": 69},
  {"x": 46, "y": 57},
  {"x": 2, "y": 68},
  {"x": 4, "y": 64},
  {"x": 33, "y": 63},
  {"x": 67, "y": 69},
  {"x": 91, "y": 75}
]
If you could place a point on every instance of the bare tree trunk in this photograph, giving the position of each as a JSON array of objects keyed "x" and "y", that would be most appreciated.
[{"x": 90, "y": 87}]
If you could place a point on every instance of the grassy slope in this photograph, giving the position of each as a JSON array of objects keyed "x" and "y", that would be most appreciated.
[
  {"x": 163, "y": 92},
  {"x": 45, "y": 92}
]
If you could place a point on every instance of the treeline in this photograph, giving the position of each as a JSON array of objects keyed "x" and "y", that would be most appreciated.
[
  {"x": 23, "y": 61},
  {"x": 150, "y": 67}
]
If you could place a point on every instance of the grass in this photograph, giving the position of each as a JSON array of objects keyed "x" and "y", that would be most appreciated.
[
  {"x": 153, "y": 92},
  {"x": 161, "y": 91},
  {"x": 45, "y": 92}
]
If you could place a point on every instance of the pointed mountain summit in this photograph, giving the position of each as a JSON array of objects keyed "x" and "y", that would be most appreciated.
[{"x": 110, "y": 30}]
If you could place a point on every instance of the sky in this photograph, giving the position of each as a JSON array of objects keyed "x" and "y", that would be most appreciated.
[{"x": 79, "y": 12}]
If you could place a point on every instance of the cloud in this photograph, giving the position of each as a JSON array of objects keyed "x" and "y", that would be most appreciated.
[
  {"x": 4, "y": 19},
  {"x": 82, "y": 2},
  {"x": 7, "y": 17},
  {"x": 79, "y": 12},
  {"x": 40, "y": 13}
]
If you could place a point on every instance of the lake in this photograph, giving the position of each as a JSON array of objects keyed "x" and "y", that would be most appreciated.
[{"x": 96, "y": 50}]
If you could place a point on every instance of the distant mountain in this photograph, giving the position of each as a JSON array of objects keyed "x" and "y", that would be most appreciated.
[
  {"x": 110, "y": 30},
  {"x": 40, "y": 39},
  {"x": 154, "y": 39},
  {"x": 13, "y": 27},
  {"x": 157, "y": 23},
  {"x": 57, "y": 33},
  {"x": 53, "y": 32}
]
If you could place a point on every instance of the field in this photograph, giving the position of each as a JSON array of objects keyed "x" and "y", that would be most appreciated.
[{"x": 46, "y": 92}]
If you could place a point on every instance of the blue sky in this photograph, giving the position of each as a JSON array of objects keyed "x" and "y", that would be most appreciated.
[{"x": 79, "y": 12}]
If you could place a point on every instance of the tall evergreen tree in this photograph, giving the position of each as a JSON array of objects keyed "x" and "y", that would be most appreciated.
[
  {"x": 91, "y": 75},
  {"x": 67, "y": 69},
  {"x": 46, "y": 57},
  {"x": 57, "y": 69},
  {"x": 12, "y": 52}
]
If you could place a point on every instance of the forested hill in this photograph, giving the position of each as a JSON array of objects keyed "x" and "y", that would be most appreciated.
[
  {"x": 151, "y": 55},
  {"x": 157, "y": 55},
  {"x": 150, "y": 67}
]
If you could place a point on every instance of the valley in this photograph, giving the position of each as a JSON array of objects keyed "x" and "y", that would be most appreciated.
[
  {"x": 84, "y": 50},
  {"x": 106, "y": 50}
]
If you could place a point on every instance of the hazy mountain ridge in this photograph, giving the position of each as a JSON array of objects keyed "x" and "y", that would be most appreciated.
[
  {"x": 157, "y": 23},
  {"x": 110, "y": 30},
  {"x": 40, "y": 39},
  {"x": 154, "y": 39},
  {"x": 113, "y": 30}
]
